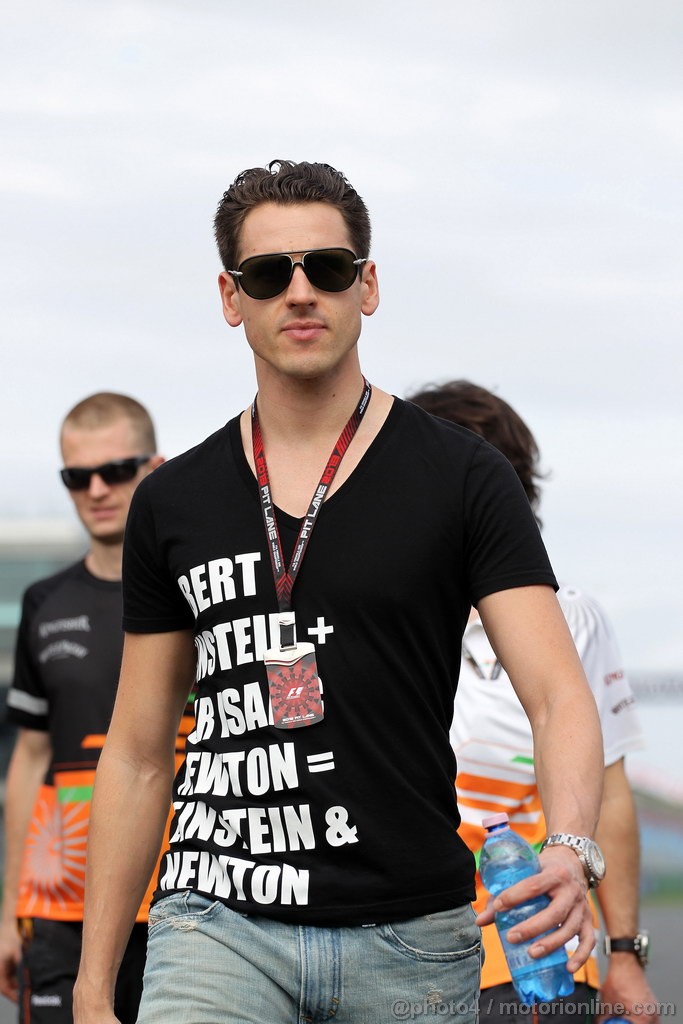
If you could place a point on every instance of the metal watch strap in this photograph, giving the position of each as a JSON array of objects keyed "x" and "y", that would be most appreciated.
[
  {"x": 564, "y": 839},
  {"x": 584, "y": 847}
]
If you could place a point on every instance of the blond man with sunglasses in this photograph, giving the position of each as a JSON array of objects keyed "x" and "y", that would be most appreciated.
[{"x": 66, "y": 671}]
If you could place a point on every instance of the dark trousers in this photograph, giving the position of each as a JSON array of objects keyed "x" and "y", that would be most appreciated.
[{"x": 49, "y": 965}]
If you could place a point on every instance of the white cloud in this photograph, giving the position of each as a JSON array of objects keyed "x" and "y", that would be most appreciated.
[{"x": 522, "y": 163}]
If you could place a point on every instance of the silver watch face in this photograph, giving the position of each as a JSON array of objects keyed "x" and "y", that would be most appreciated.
[
  {"x": 594, "y": 860},
  {"x": 643, "y": 950},
  {"x": 588, "y": 852}
]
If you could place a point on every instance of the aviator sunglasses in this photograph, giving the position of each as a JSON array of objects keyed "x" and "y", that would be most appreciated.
[
  {"x": 118, "y": 471},
  {"x": 330, "y": 270}
]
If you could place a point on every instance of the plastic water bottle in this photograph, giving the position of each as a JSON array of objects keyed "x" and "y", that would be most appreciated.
[{"x": 506, "y": 858}]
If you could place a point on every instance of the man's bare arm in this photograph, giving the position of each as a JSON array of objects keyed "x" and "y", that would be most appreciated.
[
  {"x": 530, "y": 636},
  {"x": 27, "y": 768},
  {"x": 618, "y": 896},
  {"x": 131, "y": 800}
]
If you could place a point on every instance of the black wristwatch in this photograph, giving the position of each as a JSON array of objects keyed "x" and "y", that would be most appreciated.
[{"x": 639, "y": 945}]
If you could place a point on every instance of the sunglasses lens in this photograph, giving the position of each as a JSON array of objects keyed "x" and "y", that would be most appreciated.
[
  {"x": 77, "y": 478},
  {"x": 264, "y": 277},
  {"x": 331, "y": 270},
  {"x": 118, "y": 472}
]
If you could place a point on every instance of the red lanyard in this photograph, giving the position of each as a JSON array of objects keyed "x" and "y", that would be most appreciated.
[{"x": 284, "y": 578}]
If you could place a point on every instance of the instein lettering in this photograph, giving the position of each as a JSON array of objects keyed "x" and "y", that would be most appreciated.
[
  {"x": 239, "y": 642},
  {"x": 255, "y": 830}
]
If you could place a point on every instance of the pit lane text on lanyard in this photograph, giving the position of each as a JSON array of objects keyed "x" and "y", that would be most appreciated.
[{"x": 293, "y": 681}]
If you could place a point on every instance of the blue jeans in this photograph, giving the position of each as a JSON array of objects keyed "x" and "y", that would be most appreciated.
[{"x": 207, "y": 964}]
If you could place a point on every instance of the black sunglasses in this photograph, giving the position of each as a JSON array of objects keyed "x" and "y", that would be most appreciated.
[
  {"x": 118, "y": 471},
  {"x": 330, "y": 270}
]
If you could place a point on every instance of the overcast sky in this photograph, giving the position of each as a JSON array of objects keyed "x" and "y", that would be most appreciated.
[{"x": 522, "y": 162}]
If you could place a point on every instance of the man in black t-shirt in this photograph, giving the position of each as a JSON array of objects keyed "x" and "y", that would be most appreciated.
[
  {"x": 67, "y": 665},
  {"x": 312, "y": 565}
]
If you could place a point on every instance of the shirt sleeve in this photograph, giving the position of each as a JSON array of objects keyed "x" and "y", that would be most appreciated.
[
  {"x": 597, "y": 646},
  {"x": 152, "y": 601},
  {"x": 27, "y": 703},
  {"x": 503, "y": 545}
]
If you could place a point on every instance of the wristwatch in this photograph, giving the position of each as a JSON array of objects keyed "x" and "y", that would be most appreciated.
[
  {"x": 588, "y": 852},
  {"x": 638, "y": 944}
]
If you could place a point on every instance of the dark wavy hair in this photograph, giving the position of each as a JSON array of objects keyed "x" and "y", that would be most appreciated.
[
  {"x": 493, "y": 419},
  {"x": 287, "y": 183}
]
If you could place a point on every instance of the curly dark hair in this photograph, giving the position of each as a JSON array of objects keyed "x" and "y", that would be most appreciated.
[
  {"x": 287, "y": 183},
  {"x": 486, "y": 414}
]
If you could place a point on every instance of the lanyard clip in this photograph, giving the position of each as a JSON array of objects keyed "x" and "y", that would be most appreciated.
[{"x": 286, "y": 624}]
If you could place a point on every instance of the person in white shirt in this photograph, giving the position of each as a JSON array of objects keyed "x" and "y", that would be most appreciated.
[{"x": 492, "y": 739}]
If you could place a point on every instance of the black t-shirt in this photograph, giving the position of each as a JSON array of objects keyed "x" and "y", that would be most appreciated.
[
  {"x": 352, "y": 820},
  {"x": 68, "y": 656}
]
